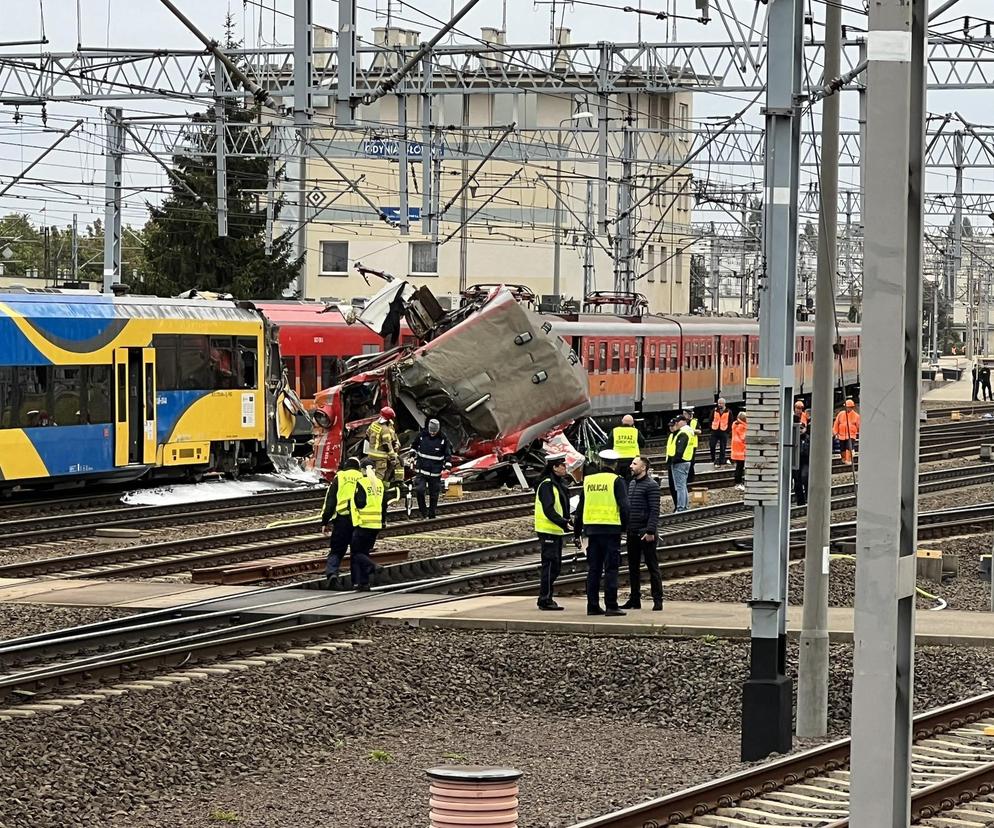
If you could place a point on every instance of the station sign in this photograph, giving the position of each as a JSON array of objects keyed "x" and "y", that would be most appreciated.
[
  {"x": 378, "y": 148},
  {"x": 393, "y": 214}
]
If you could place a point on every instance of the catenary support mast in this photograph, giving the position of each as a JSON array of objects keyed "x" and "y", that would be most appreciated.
[
  {"x": 887, "y": 515},
  {"x": 767, "y": 694}
]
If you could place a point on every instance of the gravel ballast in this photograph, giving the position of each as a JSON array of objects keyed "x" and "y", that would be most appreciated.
[
  {"x": 292, "y": 744},
  {"x": 18, "y": 620}
]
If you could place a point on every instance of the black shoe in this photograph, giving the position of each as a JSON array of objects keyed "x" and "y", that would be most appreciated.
[
  {"x": 657, "y": 606},
  {"x": 595, "y": 611},
  {"x": 614, "y": 613},
  {"x": 362, "y": 588},
  {"x": 552, "y": 606},
  {"x": 432, "y": 515},
  {"x": 632, "y": 603}
]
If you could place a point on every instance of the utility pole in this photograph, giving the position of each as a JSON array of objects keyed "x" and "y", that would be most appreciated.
[
  {"x": 112, "y": 197},
  {"x": 713, "y": 270},
  {"x": 623, "y": 281},
  {"x": 957, "y": 264},
  {"x": 75, "y": 247},
  {"x": 812, "y": 674},
  {"x": 849, "y": 282},
  {"x": 588, "y": 247},
  {"x": 887, "y": 512},
  {"x": 427, "y": 146},
  {"x": 743, "y": 279},
  {"x": 463, "y": 201},
  {"x": 767, "y": 698},
  {"x": 220, "y": 150},
  {"x": 303, "y": 115},
  {"x": 405, "y": 217}
]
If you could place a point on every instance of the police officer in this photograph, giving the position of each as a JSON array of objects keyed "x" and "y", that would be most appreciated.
[
  {"x": 369, "y": 506},
  {"x": 552, "y": 521},
  {"x": 432, "y": 454},
  {"x": 688, "y": 412},
  {"x": 602, "y": 515},
  {"x": 627, "y": 441},
  {"x": 336, "y": 516}
]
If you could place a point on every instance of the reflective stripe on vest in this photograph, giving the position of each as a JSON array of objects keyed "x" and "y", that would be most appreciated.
[
  {"x": 599, "y": 504},
  {"x": 688, "y": 452},
  {"x": 719, "y": 422},
  {"x": 626, "y": 441},
  {"x": 542, "y": 523},
  {"x": 347, "y": 480},
  {"x": 371, "y": 515}
]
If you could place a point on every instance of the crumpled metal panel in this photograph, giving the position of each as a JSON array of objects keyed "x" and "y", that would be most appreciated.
[{"x": 485, "y": 386}]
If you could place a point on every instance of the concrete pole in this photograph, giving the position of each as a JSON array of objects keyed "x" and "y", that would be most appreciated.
[
  {"x": 935, "y": 320},
  {"x": 75, "y": 247},
  {"x": 624, "y": 252},
  {"x": 427, "y": 146},
  {"x": 112, "y": 198},
  {"x": 303, "y": 115},
  {"x": 463, "y": 200},
  {"x": 767, "y": 697},
  {"x": 588, "y": 248},
  {"x": 812, "y": 673},
  {"x": 743, "y": 279},
  {"x": 405, "y": 213},
  {"x": 558, "y": 213},
  {"x": 220, "y": 150},
  {"x": 957, "y": 233},
  {"x": 887, "y": 514}
]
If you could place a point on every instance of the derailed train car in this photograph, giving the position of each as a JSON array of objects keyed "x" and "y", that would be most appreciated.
[
  {"x": 493, "y": 373},
  {"x": 98, "y": 387}
]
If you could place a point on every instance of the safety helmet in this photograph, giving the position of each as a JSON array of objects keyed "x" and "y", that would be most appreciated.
[
  {"x": 387, "y": 413},
  {"x": 850, "y": 404},
  {"x": 433, "y": 426}
]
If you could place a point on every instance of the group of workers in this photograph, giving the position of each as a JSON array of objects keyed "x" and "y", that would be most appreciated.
[{"x": 355, "y": 505}]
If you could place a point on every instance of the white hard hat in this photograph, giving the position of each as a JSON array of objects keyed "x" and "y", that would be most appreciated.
[{"x": 609, "y": 454}]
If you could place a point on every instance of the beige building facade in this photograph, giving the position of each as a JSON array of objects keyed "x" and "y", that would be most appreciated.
[{"x": 515, "y": 150}]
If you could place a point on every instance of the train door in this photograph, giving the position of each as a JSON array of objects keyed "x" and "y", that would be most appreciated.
[{"x": 134, "y": 406}]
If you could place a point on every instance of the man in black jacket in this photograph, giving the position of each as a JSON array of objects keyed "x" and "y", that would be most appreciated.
[
  {"x": 602, "y": 515},
  {"x": 643, "y": 516},
  {"x": 432, "y": 454},
  {"x": 800, "y": 474},
  {"x": 552, "y": 521}
]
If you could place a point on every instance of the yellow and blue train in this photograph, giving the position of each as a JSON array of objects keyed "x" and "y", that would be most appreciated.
[{"x": 100, "y": 387}]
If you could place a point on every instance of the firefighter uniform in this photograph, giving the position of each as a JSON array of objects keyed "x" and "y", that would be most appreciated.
[
  {"x": 338, "y": 513},
  {"x": 382, "y": 447}
]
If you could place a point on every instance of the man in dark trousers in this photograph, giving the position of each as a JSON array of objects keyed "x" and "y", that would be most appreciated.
[
  {"x": 552, "y": 521},
  {"x": 336, "y": 516},
  {"x": 721, "y": 432},
  {"x": 985, "y": 381},
  {"x": 975, "y": 376},
  {"x": 674, "y": 427},
  {"x": 800, "y": 474},
  {"x": 602, "y": 515},
  {"x": 369, "y": 510},
  {"x": 643, "y": 515},
  {"x": 432, "y": 454}
]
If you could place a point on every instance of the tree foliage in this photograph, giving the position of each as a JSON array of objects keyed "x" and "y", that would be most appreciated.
[{"x": 183, "y": 248}]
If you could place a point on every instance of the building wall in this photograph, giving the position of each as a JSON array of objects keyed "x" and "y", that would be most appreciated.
[{"x": 511, "y": 238}]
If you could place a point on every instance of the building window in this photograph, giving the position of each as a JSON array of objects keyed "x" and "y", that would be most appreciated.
[
  {"x": 684, "y": 119},
  {"x": 663, "y": 266},
  {"x": 678, "y": 276},
  {"x": 651, "y": 263},
  {"x": 424, "y": 257},
  {"x": 334, "y": 258}
]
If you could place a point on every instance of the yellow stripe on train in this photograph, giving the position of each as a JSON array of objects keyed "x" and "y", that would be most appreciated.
[
  {"x": 222, "y": 415},
  {"x": 19, "y": 459}
]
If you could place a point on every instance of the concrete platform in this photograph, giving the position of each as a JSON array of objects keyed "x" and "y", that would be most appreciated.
[
  {"x": 678, "y": 618},
  {"x": 959, "y": 391}
]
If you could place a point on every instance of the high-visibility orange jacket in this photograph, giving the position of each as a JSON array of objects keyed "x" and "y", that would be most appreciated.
[
  {"x": 802, "y": 417},
  {"x": 739, "y": 440},
  {"x": 846, "y": 425},
  {"x": 719, "y": 420}
]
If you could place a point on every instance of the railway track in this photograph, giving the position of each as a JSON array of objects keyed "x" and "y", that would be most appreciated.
[
  {"x": 168, "y": 557},
  {"x": 952, "y": 767}
]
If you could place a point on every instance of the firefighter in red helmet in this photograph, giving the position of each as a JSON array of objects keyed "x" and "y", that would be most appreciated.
[{"x": 382, "y": 445}]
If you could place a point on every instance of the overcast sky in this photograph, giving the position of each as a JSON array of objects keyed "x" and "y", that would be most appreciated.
[{"x": 147, "y": 23}]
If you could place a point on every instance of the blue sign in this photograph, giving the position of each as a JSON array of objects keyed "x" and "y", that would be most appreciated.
[
  {"x": 393, "y": 214},
  {"x": 378, "y": 148}
]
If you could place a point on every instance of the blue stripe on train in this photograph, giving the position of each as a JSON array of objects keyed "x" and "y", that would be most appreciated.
[
  {"x": 74, "y": 449},
  {"x": 169, "y": 407},
  {"x": 15, "y": 349}
]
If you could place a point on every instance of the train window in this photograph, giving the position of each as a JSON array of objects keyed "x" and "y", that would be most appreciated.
[
  {"x": 96, "y": 382},
  {"x": 122, "y": 393},
  {"x": 248, "y": 361},
  {"x": 66, "y": 409},
  {"x": 674, "y": 358},
  {"x": 602, "y": 357},
  {"x": 193, "y": 372},
  {"x": 591, "y": 359},
  {"x": 222, "y": 363},
  {"x": 34, "y": 384},
  {"x": 628, "y": 358},
  {"x": 290, "y": 366},
  {"x": 615, "y": 357},
  {"x": 308, "y": 377},
  {"x": 8, "y": 397},
  {"x": 652, "y": 359},
  {"x": 166, "y": 357},
  {"x": 330, "y": 369}
]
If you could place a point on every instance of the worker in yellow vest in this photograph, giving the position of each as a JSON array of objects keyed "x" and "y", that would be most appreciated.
[
  {"x": 552, "y": 521},
  {"x": 688, "y": 412},
  {"x": 628, "y": 442},
  {"x": 336, "y": 516},
  {"x": 679, "y": 453},
  {"x": 602, "y": 515},
  {"x": 369, "y": 506}
]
